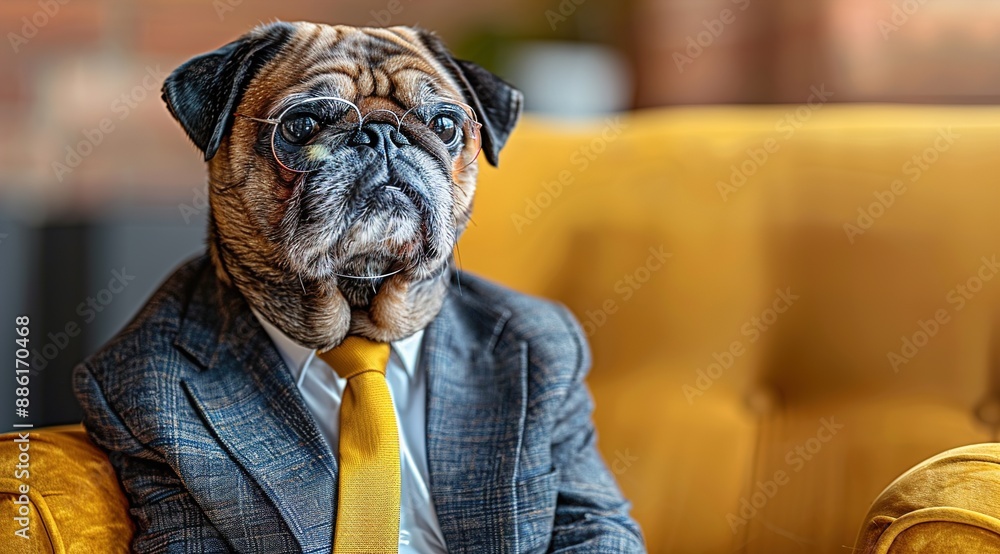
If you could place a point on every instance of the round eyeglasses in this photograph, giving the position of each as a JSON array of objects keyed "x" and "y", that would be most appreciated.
[{"x": 307, "y": 131}]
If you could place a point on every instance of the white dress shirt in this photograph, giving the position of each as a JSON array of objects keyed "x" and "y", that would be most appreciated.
[{"x": 322, "y": 389}]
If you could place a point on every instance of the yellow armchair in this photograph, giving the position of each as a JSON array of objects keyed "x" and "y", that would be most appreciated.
[
  {"x": 824, "y": 320},
  {"x": 788, "y": 307},
  {"x": 949, "y": 503}
]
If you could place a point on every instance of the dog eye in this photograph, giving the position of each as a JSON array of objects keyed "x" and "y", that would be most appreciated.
[
  {"x": 299, "y": 129},
  {"x": 446, "y": 128}
]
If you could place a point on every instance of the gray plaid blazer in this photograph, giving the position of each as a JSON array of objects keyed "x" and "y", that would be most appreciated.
[{"x": 217, "y": 451}]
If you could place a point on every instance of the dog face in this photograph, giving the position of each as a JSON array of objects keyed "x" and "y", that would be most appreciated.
[{"x": 342, "y": 167}]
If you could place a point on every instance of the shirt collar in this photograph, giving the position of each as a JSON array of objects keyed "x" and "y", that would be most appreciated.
[{"x": 297, "y": 356}]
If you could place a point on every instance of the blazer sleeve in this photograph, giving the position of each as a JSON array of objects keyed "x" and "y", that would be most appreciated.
[
  {"x": 592, "y": 516},
  {"x": 166, "y": 516}
]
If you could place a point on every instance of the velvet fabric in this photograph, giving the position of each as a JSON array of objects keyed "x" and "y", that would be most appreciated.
[
  {"x": 74, "y": 501},
  {"x": 949, "y": 503}
]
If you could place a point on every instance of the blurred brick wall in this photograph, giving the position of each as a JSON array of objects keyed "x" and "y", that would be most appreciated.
[
  {"x": 80, "y": 105},
  {"x": 773, "y": 51},
  {"x": 72, "y": 67},
  {"x": 938, "y": 51}
]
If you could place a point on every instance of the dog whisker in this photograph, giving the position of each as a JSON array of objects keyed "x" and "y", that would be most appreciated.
[
  {"x": 225, "y": 187},
  {"x": 400, "y": 270},
  {"x": 458, "y": 274}
]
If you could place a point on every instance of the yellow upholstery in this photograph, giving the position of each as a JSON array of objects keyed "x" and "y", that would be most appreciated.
[
  {"x": 688, "y": 466},
  {"x": 949, "y": 503},
  {"x": 782, "y": 445},
  {"x": 74, "y": 501}
]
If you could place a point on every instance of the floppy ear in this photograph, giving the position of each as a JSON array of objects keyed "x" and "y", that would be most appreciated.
[
  {"x": 202, "y": 93},
  {"x": 497, "y": 104}
]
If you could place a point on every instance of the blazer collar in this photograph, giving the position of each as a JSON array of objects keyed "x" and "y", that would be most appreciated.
[
  {"x": 249, "y": 401},
  {"x": 299, "y": 358},
  {"x": 476, "y": 406}
]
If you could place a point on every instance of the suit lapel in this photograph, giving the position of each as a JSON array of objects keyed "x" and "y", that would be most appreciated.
[
  {"x": 477, "y": 387},
  {"x": 251, "y": 404}
]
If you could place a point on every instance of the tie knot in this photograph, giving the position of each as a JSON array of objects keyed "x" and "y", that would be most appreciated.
[{"x": 356, "y": 355}]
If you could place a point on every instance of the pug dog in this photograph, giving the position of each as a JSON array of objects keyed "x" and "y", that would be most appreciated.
[
  {"x": 342, "y": 168},
  {"x": 358, "y": 238}
]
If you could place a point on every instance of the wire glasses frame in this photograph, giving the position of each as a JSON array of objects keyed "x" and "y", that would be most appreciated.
[{"x": 344, "y": 117}]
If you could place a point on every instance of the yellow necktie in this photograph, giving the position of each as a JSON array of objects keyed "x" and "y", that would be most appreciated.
[{"x": 368, "y": 502}]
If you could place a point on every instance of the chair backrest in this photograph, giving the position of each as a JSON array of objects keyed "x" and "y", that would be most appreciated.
[{"x": 812, "y": 250}]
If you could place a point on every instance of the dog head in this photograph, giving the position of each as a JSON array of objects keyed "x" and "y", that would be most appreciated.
[{"x": 342, "y": 168}]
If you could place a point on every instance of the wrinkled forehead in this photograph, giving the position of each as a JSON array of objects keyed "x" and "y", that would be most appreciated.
[{"x": 386, "y": 68}]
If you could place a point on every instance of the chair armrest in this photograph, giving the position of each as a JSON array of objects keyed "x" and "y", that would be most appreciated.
[
  {"x": 948, "y": 503},
  {"x": 74, "y": 502}
]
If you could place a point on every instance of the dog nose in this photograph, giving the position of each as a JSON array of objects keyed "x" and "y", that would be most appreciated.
[{"x": 379, "y": 136}]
